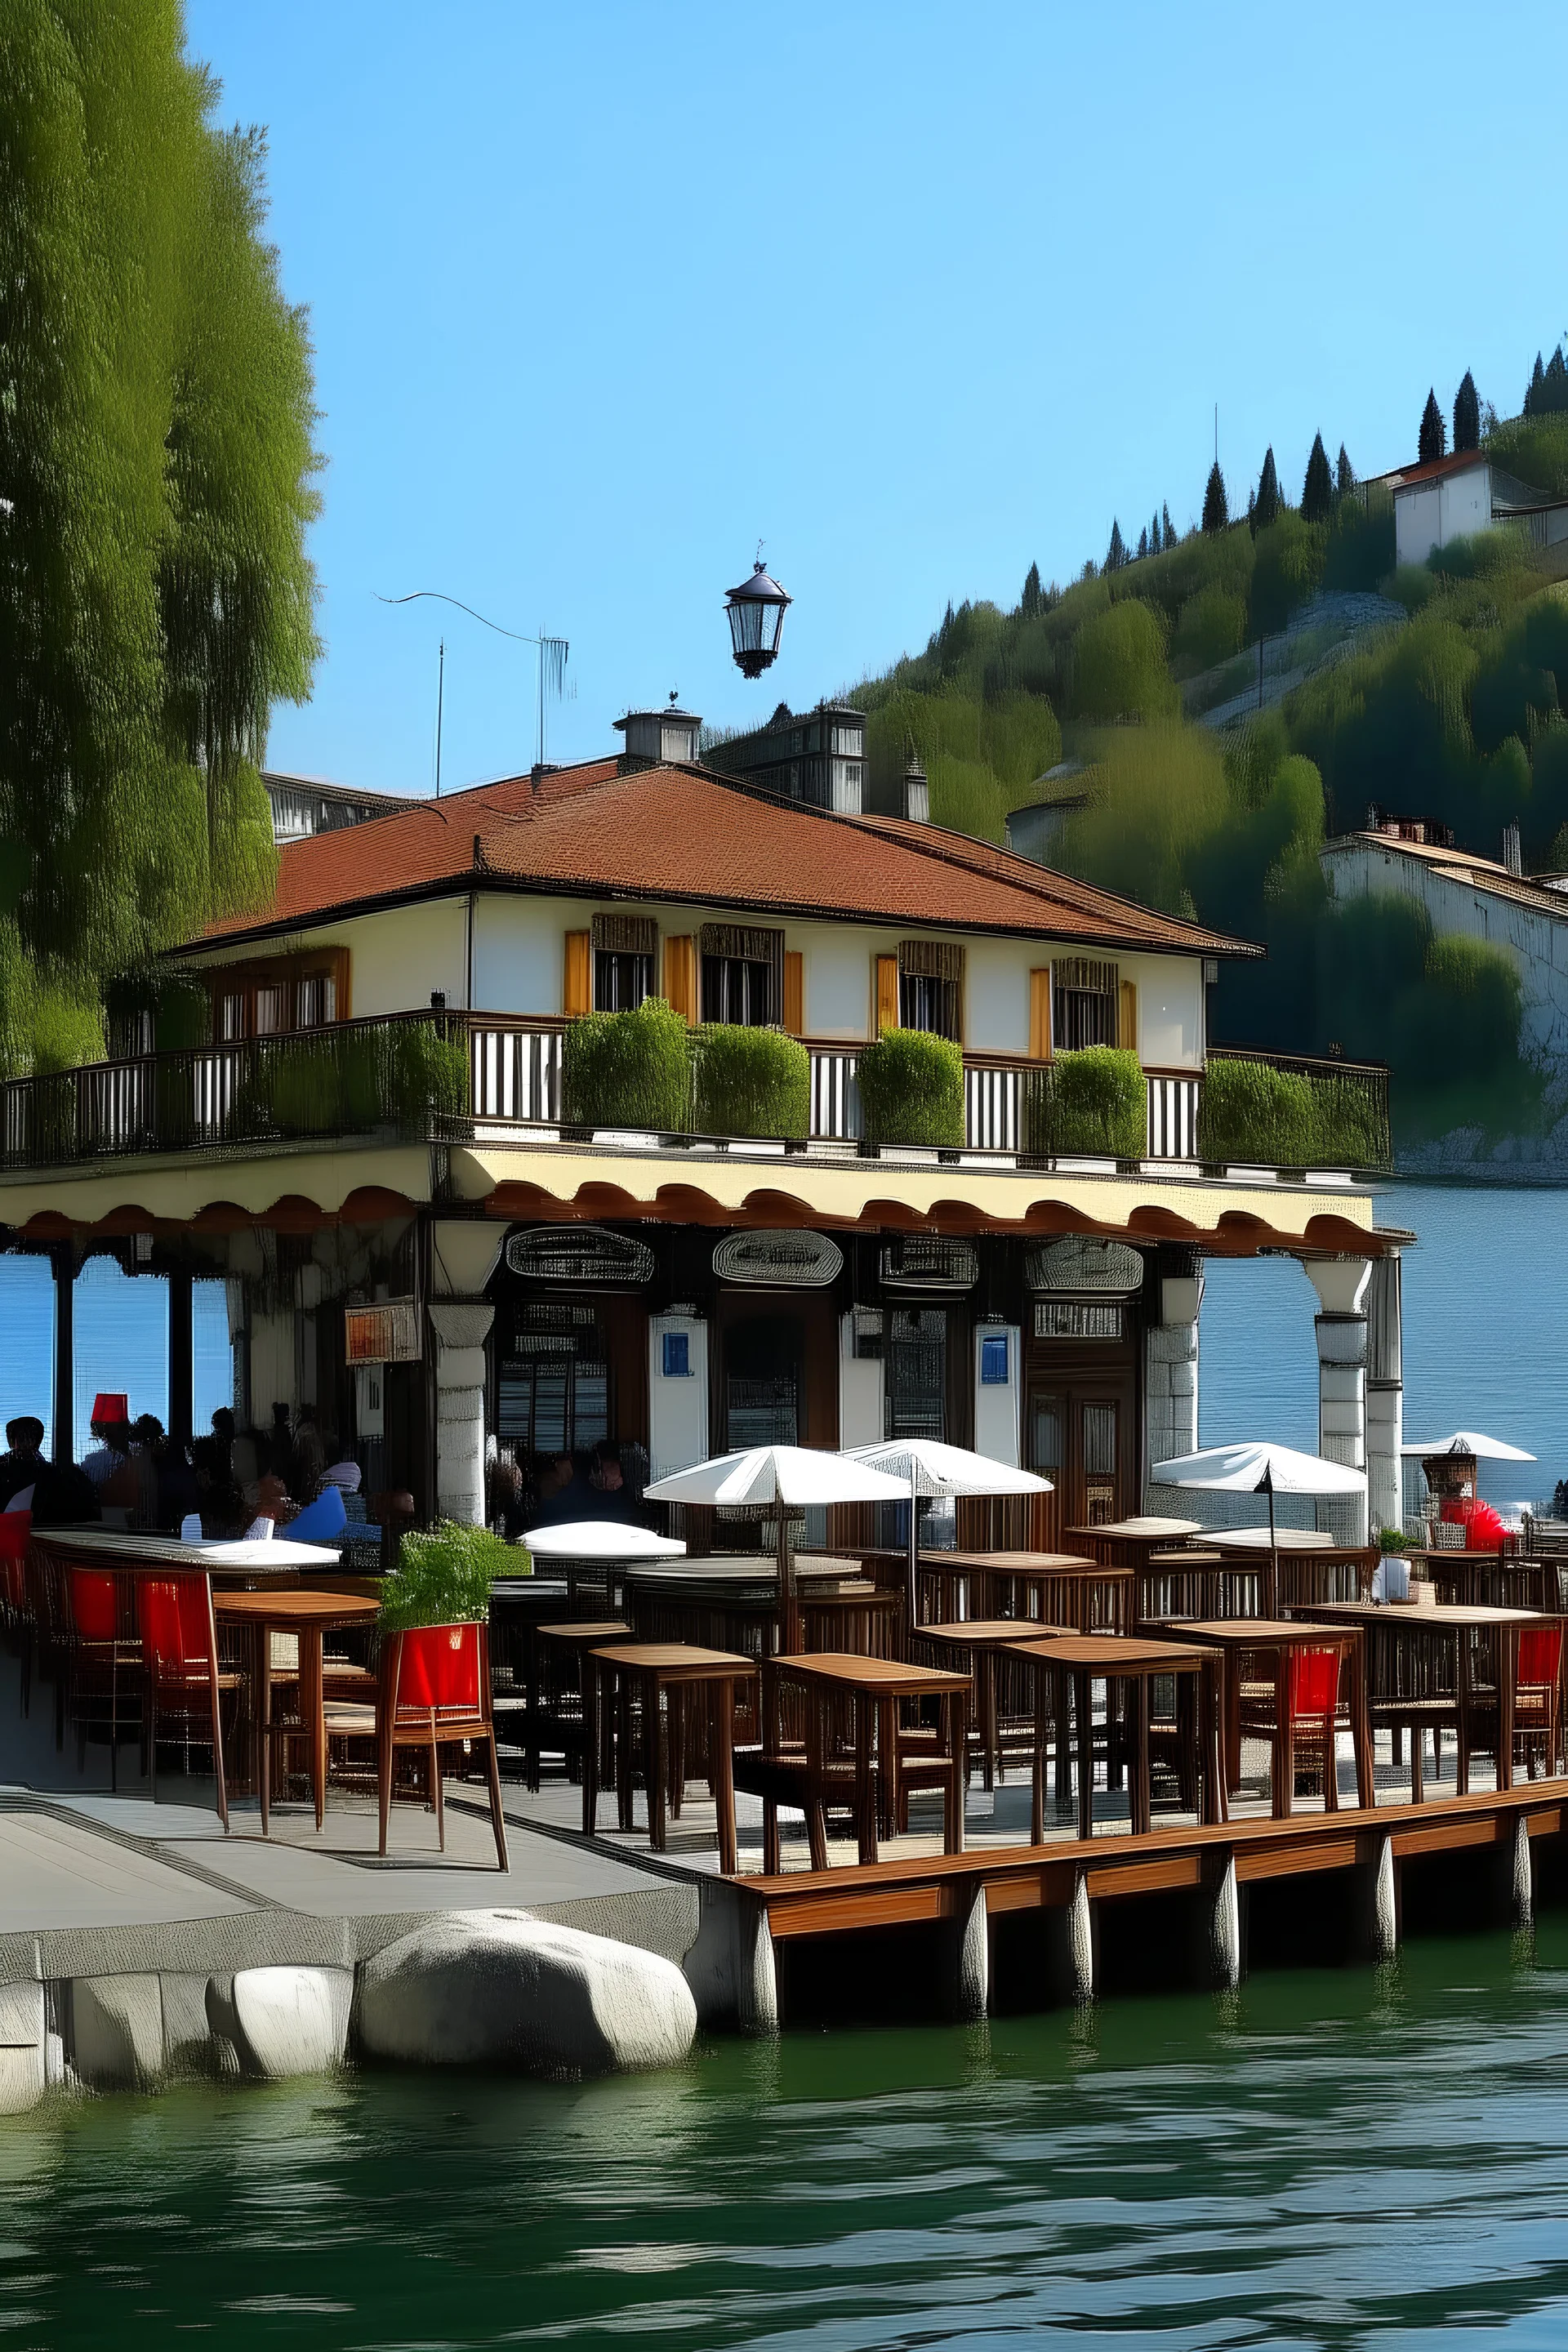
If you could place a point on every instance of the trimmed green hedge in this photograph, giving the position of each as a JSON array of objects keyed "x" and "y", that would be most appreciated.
[
  {"x": 1289, "y": 1118},
  {"x": 1094, "y": 1101},
  {"x": 911, "y": 1089},
  {"x": 350, "y": 1081},
  {"x": 628, "y": 1069},
  {"x": 751, "y": 1082}
]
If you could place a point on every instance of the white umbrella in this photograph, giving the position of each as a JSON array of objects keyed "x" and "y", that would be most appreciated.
[
  {"x": 1471, "y": 1441},
  {"x": 788, "y": 1476},
  {"x": 1260, "y": 1468},
  {"x": 927, "y": 1468},
  {"x": 611, "y": 1539}
]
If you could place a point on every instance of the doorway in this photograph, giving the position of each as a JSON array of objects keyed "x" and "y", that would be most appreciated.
[
  {"x": 1081, "y": 1436},
  {"x": 761, "y": 1395}
]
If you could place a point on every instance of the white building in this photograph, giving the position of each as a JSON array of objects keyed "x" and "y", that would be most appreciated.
[{"x": 1455, "y": 497}]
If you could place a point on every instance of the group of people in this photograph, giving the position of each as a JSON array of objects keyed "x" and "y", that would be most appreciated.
[
  {"x": 150, "y": 1481},
  {"x": 547, "y": 1490}
]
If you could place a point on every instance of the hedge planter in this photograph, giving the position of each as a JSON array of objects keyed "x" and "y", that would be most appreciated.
[
  {"x": 628, "y": 1069},
  {"x": 912, "y": 1090},
  {"x": 751, "y": 1082},
  {"x": 1093, "y": 1102},
  {"x": 1251, "y": 1112}
]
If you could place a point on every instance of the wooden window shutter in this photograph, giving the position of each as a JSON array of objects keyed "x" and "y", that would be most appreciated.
[
  {"x": 1041, "y": 1014},
  {"x": 680, "y": 976},
  {"x": 1127, "y": 1015},
  {"x": 887, "y": 993},
  {"x": 577, "y": 994},
  {"x": 794, "y": 991}
]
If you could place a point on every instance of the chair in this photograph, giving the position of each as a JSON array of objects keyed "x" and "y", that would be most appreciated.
[
  {"x": 434, "y": 1690},
  {"x": 1310, "y": 1721},
  {"x": 1537, "y": 1700},
  {"x": 103, "y": 1653},
  {"x": 186, "y": 1685}
]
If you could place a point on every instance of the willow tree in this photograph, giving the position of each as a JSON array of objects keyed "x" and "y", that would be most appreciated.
[{"x": 155, "y": 464}]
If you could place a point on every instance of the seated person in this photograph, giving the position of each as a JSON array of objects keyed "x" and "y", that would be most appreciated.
[
  {"x": 608, "y": 1495},
  {"x": 62, "y": 1495}
]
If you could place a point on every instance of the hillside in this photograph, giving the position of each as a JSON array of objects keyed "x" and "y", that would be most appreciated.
[{"x": 1234, "y": 695}]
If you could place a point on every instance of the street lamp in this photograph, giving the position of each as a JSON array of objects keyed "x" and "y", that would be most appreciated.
[{"x": 756, "y": 610}]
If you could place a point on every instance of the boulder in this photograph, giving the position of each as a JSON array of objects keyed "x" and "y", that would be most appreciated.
[
  {"x": 501, "y": 1989},
  {"x": 23, "y": 2068},
  {"x": 284, "y": 2021}
]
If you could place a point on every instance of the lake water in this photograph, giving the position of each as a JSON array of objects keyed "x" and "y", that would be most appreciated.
[{"x": 1341, "y": 2160}]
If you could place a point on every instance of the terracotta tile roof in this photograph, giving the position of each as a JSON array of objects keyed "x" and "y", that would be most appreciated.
[
  {"x": 680, "y": 833},
  {"x": 1459, "y": 867},
  {"x": 1435, "y": 469}
]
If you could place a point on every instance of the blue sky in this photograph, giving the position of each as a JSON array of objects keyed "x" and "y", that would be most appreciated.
[{"x": 601, "y": 294}]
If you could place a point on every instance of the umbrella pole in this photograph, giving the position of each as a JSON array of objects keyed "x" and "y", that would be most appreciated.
[
  {"x": 912, "y": 1578},
  {"x": 1271, "y": 1605},
  {"x": 789, "y": 1608}
]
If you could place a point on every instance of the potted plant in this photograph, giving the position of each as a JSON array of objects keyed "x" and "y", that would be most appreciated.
[
  {"x": 444, "y": 1575},
  {"x": 1392, "y": 1579}
]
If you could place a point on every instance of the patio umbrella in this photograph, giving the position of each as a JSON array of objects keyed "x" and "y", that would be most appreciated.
[
  {"x": 1260, "y": 1468},
  {"x": 609, "y": 1539},
  {"x": 1471, "y": 1442},
  {"x": 927, "y": 1469},
  {"x": 789, "y": 1478}
]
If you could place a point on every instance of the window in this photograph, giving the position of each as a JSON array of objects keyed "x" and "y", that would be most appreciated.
[
  {"x": 677, "y": 1355},
  {"x": 283, "y": 993},
  {"x": 626, "y": 949},
  {"x": 555, "y": 1385},
  {"x": 1083, "y": 1003},
  {"x": 914, "y": 1356},
  {"x": 742, "y": 975},
  {"x": 931, "y": 988}
]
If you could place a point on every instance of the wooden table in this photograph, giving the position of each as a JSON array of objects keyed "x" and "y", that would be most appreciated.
[
  {"x": 1060, "y": 1587},
  {"x": 1312, "y": 1567},
  {"x": 978, "y": 1643},
  {"x": 1127, "y": 1543},
  {"x": 655, "y": 1668},
  {"x": 1391, "y": 1627},
  {"x": 1080, "y": 1660},
  {"x": 310, "y": 1615},
  {"x": 1233, "y": 1638},
  {"x": 1493, "y": 1580},
  {"x": 876, "y": 1686}
]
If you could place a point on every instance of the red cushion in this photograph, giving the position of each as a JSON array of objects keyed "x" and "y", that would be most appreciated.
[
  {"x": 16, "y": 1534},
  {"x": 439, "y": 1666},
  {"x": 172, "y": 1612},
  {"x": 1541, "y": 1653},
  {"x": 94, "y": 1608},
  {"x": 1484, "y": 1531},
  {"x": 1314, "y": 1682}
]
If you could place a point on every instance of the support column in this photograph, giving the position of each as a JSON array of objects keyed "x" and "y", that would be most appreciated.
[
  {"x": 462, "y": 1258},
  {"x": 971, "y": 1985},
  {"x": 1522, "y": 1875},
  {"x": 1070, "y": 1941},
  {"x": 1225, "y": 1929},
  {"x": 756, "y": 1968},
  {"x": 181, "y": 1354},
  {"x": 1171, "y": 1365},
  {"x": 1340, "y": 1283},
  {"x": 62, "y": 1258},
  {"x": 1385, "y": 1395},
  {"x": 1385, "y": 1904}
]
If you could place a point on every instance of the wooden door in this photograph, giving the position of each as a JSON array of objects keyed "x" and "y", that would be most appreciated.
[{"x": 1081, "y": 1435}]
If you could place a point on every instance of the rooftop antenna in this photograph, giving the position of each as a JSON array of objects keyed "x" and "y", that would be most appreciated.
[
  {"x": 1217, "y": 432},
  {"x": 440, "y": 702},
  {"x": 552, "y": 653}
]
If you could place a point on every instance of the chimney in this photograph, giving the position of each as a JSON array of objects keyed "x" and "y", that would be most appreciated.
[
  {"x": 917, "y": 794},
  {"x": 1512, "y": 853},
  {"x": 655, "y": 736}
]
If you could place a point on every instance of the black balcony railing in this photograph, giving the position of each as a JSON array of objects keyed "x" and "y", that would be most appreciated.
[{"x": 417, "y": 1076}]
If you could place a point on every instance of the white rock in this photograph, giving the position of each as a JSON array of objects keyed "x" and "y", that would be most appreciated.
[
  {"x": 497, "y": 1988},
  {"x": 291, "y": 2020},
  {"x": 117, "y": 2032},
  {"x": 23, "y": 2070}
]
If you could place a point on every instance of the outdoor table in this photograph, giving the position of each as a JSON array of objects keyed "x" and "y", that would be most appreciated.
[
  {"x": 244, "y": 1559},
  {"x": 1397, "y": 1631},
  {"x": 566, "y": 1640},
  {"x": 1313, "y": 1568},
  {"x": 310, "y": 1615},
  {"x": 876, "y": 1686},
  {"x": 977, "y": 1643},
  {"x": 1174, "y": 1586},
  {"x": 1490, "y": 1579},
  {"x": 1062, "y": 1587},
  {"x": 1127, "y": 1543},
  {"x": 1235, "y": 1637},
  {"x": 654, "y": 1669},
  {"x": 1081, "y": 1660}
]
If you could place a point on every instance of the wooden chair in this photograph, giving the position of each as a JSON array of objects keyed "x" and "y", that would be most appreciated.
[
  {"x": 1305, "y": 1725},
  {"x": 184, "y": 1683},
  {"x": 434, "y": 1692},
  {"x": 1537, "y": 1666}
]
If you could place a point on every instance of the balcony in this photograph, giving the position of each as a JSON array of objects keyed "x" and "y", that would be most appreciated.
[{"x": 454, "y": 1077}]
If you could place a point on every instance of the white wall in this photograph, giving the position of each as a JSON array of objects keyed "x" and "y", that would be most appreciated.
[
  {"x": 1170, "y": 1010},
  {"x": 996, "y": 995},
  {"x": 1432, "y": 513},
  {"x": 396, "y": 958}
]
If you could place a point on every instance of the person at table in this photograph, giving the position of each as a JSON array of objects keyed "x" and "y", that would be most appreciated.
[
  {"x": 178, "y": 1493},
  {"x": 608, "y": 1495},
  {"x": 105, "y": 1458},
  {"x": 62, "y": 1495},
  {"x": 308, "y": 1463},
  {"x": 564, "y": 1496},
  {"x": 218, "y": 1502}
]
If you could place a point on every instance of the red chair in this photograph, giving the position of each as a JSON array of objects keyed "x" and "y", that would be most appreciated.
[
  {"x": 103, "y": 1655},
  {"x": 186, "y": 1685},
  {"x": 16, "y": 1535},
  {"x": 434, "y": 1690},
  {"x": 1312, "y": 1721}
]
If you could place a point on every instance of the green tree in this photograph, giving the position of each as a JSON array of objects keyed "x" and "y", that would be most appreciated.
[
  {"x": 1533, "y": 389},
  {"x": 1143, "y": 543},
  {"x": 155, "y": 464},
  {"x": 1031, "y": 603},
  {"x": 1119, "y": 664},
  {"x": 1169, "y": 535},
  {"x": 1434, "y": 439},
  {"x": 1318, "y": 489},
  {"x": 1554, "y": 384},
  {"x": 1116, "y": 554},
  {"x": 1216, "y": 510},
  {"x": 1265, "y": 508},
  {"x": 1344, "y": 473},
  {"x": 1466, "y": 416}
]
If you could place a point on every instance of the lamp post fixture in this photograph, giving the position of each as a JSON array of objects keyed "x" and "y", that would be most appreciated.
[{"x": 756, "y": 610}]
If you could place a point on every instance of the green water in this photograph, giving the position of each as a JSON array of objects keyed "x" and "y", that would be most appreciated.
[{"x": 1326, "y": 2159}]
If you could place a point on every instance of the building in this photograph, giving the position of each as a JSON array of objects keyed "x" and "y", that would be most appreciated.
[
  {"x": 816, "y": 757},
  {"x": 425, "y": 1240},
  {"x": 1454, "y": 497},
  {"x": 302, "y": 805},
  {"x": 1034, "y": 830}
]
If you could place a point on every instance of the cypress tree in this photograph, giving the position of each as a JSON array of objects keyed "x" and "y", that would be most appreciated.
[
  {"x": 155, "y": 451},
  {"x": 1031, "y": 603},
  {"x": 1466, "y": 416},
  {"x": 1434, "y": 437},
  {"x": 1169, "y": 535},
  {"x": 1265, "y": 508},
  {"x": 1555, "y": 385},
  {"x": 1344, "y": 473},
  {"x": 1116, "y": 554},
  {"x": 1318, "y": 489},
  {"x": 1143, "y": 543},
  {"x": 1216, "y": 510},
  {"x": 1533, "y": 389}
]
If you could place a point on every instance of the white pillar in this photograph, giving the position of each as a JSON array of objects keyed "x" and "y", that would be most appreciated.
[
  {"x": 1171, "y": 1373},
  {"x": 463, "y": 1253},
  {"x": 1340, "y": 1283},
  {"x": 1384, "y": 1396}
]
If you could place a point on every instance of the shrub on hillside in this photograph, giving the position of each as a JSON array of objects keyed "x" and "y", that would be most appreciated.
[
  {"x": 751, "y": 1082},
  {"x": 911, "y": 1089},
  {"x": 1119, "y": 665},
  {"x": 628, "y": 1069},
  {"x": 1359, "y": 552},
  {"x": 1212, "y": 627},
  {"x": 1289, "y": 567}
]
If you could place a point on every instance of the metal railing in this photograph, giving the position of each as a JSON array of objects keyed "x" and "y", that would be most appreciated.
[{"x": 439, "y": 1075}]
